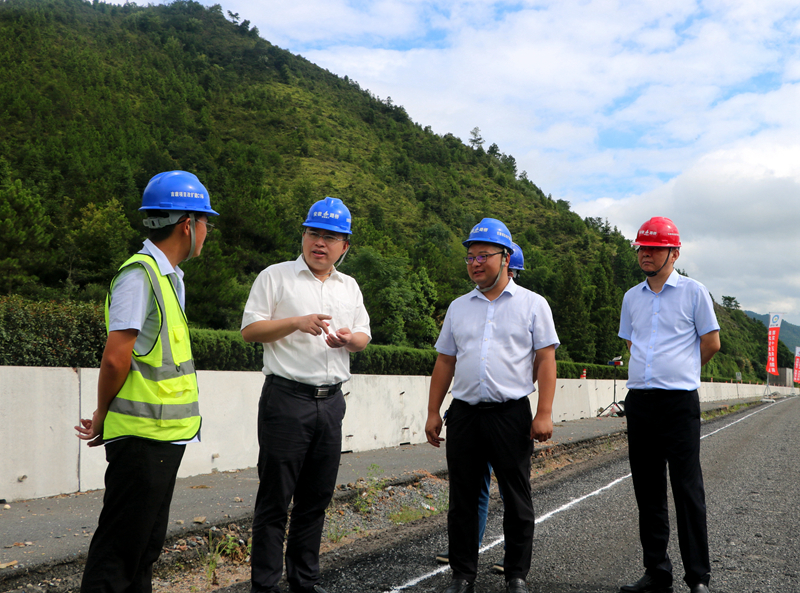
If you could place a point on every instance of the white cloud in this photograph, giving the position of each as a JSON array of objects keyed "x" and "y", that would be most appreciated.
[
  {"x": 626, "y": 109},
  {"x": 737, "y": 210}
]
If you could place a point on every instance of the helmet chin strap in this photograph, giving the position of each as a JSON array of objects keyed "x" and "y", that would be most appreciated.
[
  {"x": 193, "y": 240},
  {"x": 651, "y": 274},
  {"x": 341, "y": 259},
  {"x": 496, "y": 280}
]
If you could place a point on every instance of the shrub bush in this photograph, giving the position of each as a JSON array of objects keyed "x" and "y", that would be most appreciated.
[
  {"x": 50, "y": 334},
  {"x": 72, "y": 334},
  {"x": 220, "y": 350},
  {"x": 392, "y": 360}
]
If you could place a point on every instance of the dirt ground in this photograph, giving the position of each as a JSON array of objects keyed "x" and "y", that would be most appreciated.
[{"x": 375, "y": 514}]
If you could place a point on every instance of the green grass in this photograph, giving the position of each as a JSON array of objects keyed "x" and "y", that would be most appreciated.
[{"x": 409, "y": 514}]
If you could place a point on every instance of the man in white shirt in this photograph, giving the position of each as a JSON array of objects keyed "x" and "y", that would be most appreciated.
[
  {"x": 494, "y": 342},
  {"x": 669, "y": 324},
  {"x": 309, "y": 317}
]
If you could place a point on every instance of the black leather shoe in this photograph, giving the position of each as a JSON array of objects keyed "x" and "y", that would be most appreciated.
[
  {"x": 516, "y": 586},
  {"x": 460, "y": 586},
  {"x": 647, "y": 584},
  {"x": 699, "y": 588}
]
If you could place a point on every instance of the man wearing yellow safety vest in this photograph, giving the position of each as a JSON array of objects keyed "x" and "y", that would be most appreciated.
[{"x": 147, "y": 406}]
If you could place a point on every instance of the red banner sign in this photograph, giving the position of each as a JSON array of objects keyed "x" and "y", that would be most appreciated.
[
  {"x": 772, "y": 342},
  {"x": 797, "y": 364}
]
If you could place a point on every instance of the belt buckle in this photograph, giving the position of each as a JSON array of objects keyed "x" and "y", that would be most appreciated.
[{"x": 321, "y": 392}]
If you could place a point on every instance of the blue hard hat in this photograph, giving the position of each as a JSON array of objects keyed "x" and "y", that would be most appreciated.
[
  {"x": 517, "y": 260},
  {"x": 330, "y": 214},
  {"x": 490, "y": 230},
  {"x": 178, "y": 191}
]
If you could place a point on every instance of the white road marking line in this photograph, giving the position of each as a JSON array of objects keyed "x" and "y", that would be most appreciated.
[{"x": 546, "y": 516}]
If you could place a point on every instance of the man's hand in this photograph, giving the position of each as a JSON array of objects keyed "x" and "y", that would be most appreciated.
[
  {"x": 91, "y": 430},
  {"x": 433, "y": 427},
  {"x": 542, "y": 427},
  {"x": 440, "y": 382},
  {"x": 313, "y": 324},
  {"x": 339, "y": 339}
]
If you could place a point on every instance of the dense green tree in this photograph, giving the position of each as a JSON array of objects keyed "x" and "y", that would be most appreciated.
[
  {"x": 604, "y": 316},
  {"x": 97, "y": 98},
  {"x": 571, "y": 313},
  {"x": 730, "y": 302},
  {"x": 475, "y": 139},
  {"x": 398, "y": 298},
  {"x": 95, "y": 245},
  {"x": 25, "y": 233}
]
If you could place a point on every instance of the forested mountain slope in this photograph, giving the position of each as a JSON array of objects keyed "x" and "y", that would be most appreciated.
[{"x": 97, "y": 98}]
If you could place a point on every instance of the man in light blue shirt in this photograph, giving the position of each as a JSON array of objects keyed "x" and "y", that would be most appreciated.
[
  {"x": 496, "y": 341},
  {"x": 669, "y": 324}
]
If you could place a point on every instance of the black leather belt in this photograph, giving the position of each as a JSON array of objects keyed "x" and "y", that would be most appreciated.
[
  {"x": 317, "y": 392},
  {"x": 489, "y": 405},
  {"x": 492, "y": 405}
]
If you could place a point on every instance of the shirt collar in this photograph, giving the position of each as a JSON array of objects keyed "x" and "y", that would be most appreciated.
[
  {"x": 161, "y": 260},
  {"x": 673, "y": 279},
  {"x": 300, "y": 266},
  {"x": 511, "y": 289}
]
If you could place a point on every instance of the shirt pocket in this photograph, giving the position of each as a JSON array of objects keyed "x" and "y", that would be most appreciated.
[{"x": 345, "y": 314}]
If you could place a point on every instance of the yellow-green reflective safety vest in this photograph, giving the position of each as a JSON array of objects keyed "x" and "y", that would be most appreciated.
[{"x": 159, "y": 398}]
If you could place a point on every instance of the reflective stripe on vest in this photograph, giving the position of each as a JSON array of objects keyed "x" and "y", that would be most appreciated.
[
  {"x": 158, "y": 400},
  {"x": 143, "y": 410}
]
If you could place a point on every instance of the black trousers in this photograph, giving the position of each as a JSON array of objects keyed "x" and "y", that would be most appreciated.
[
  {"x": 139, "y": 480},
  {"x": 664, "y": 429},
  {"x": 300, "y": 444},
  {"x": 499, "y": 435}
]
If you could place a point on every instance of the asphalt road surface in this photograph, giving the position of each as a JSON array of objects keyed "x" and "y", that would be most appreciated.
[{"x": 587, "y": 529}]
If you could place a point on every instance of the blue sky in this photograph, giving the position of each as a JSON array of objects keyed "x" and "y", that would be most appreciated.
[{"x": 627, "y": 109}]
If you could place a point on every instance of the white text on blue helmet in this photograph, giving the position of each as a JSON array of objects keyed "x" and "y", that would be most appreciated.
[
  {"x": 186, "y": 194},
  {"x": 326, "y": 215}
]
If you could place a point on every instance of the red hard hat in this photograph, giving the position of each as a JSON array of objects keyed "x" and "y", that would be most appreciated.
[{"x": 658, "y": 232}]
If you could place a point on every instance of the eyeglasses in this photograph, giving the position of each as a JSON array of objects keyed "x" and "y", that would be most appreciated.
[
  {"x": 209, "y": 227},
  {"x": 329, "y": 239},
  {"x": 481, "y": 259}
]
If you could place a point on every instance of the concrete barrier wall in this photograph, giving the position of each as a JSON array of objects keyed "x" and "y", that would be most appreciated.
[{"x": 40, "y": 456}]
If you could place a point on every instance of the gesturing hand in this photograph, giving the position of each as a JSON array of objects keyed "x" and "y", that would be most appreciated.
[
  {"x": 339, "y": 339},
  {"x": 313, "y": 324}
]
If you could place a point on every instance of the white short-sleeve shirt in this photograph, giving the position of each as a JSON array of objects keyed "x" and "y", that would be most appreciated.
[{"x": 290, "y": 289}]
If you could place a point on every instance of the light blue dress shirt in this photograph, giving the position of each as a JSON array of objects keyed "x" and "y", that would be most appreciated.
[
  {"x": 494, "y": 343},
  {"x": 133, "y": 305},
  {"x": 664, "y": 329}
]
